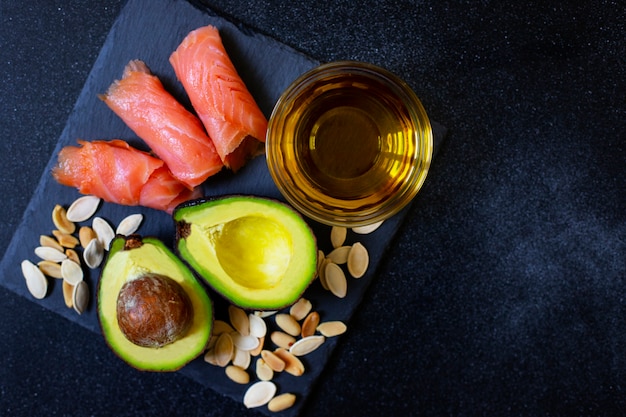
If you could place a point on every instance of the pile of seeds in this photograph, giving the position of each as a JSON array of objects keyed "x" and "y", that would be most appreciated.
[
  {"x": 234, "y": 345},
  {"x": 332, "y": 267},
  {"x": 70, "y": 247}
]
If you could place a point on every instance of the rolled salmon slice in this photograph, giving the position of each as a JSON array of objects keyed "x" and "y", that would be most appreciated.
[
  {"x": 172, "y": 132},
  {"x": 119, "y": 173},
  {"x": 219, "y": 96}
]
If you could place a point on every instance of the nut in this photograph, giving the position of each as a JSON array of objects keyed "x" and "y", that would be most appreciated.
[
  {"x": 66, "y": 240},
  {"x": 293, "y": 365},
  {"x": 332, "y": 328},
  {"x": 281, "y": 402},
  {"x": 50, "y": 268},
  {"x": 237, "y": 374},
  {"x": 282, "y": 339},
  {"x": 273, "y": 361},
  {"x": 263, "y": 370},
  {"x": 86, "y": 235},
  {"x": 288, "y": 324},
  {"x": 60, "y": 220},
  {"x": 300, "y": 309},
  {"x": 310, "y": 324}
]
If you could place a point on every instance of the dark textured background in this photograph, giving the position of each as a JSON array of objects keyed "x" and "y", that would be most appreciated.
[{"x": 505, "y": 292}]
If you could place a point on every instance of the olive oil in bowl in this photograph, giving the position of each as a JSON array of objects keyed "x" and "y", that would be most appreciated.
[{"x": 349, "y": 144}]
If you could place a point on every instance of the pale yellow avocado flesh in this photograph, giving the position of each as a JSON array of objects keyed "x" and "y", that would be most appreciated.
[
  {"x": 126, "y": 265},
  {"x": 258, "y": 253}
]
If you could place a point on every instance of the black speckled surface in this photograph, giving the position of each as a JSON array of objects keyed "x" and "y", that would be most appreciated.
[{"x": 515, "y": 304}]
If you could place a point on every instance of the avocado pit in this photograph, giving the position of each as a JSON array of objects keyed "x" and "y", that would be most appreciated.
[
  {"x": 254, "y": 250},
  {"x": 153, "y": 310}
]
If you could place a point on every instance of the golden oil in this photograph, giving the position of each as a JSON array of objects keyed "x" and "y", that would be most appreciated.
[{"x": 349, "y": 146}]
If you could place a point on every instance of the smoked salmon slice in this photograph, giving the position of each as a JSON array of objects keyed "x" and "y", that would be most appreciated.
[
  {"x": 119, "y": 173},
  {"x": 172, "y": 132},
  {"x": 219, "y": 96}
]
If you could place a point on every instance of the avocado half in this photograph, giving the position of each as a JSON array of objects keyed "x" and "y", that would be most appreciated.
[
  {"x": 256, "y": 252},
  {"x": 132, "y": 258}
]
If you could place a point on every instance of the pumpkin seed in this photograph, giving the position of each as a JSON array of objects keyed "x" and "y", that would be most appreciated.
[
  {"x": 50, "y": 254},
  {"x": 338, "y": 236},
  {"x": 82, "y": 208},
  {"x": 336, "y": 280},
  {"x": 282, "y": 339},
  {"x": 104, "y": 231},
  {"x": 258, "y": 328},
  {"x": 237, "y": 374},
  {"x": 65, "y": 240},
  {"x": 241, "y": 358},
  {"x": 86, "y": 235},
  {"x": 259, "y": 394},
  {"x": 45, "y": 240},
  {"x": 129, "y": 224},
  {"x": 246, "y": 343},
  {"x": 50, "y": 268},
  {"x": 68, "y": 291},
  {"x": 288, "y": 324},
  {"x": 332, "y": 328},
  {"x": 367, "y": 229},
  {"x": 210, "y": 344},
  {"x": 71, "y": 271},
  {"x": 300, "y": 309},
  {"x": 80, "y": 297},
  {"x": 293, "y": 365},
  {"x": 36, "y": 281},
  {"x": 307, "y": 345},
  {"x": 273, "y": 361},
  {"x": 310, "y": 324},
  {"x": 339, "y": 255},
  {"x": 263, "y": 370},
  {"x": 320, "y": 261},
  {"x": 322, "y": 273},
  {"x": 358, "y": 260},
  {"x": 93, "y": 254},
  {"x": 220, "y": 326},
  {"x": 281, "y": 402},
  {"x": 224, "y": 350},
  {"x": 239, "y": 320},
  {"x": 59, "y": 218},
  {"x": 210, "y": 357},
  {"x": 264, "y": 314}
]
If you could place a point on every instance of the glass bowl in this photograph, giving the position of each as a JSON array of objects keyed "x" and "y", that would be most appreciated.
[{"x": 348, "y": 144}]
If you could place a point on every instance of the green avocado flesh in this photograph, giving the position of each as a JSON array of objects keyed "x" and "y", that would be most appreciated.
[
  {"x": 133, "y": 258},
  {"x": 257, "y": 253}
]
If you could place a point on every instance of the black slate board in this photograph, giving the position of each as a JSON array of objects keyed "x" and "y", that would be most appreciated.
[{"x": 151, "y": 31}]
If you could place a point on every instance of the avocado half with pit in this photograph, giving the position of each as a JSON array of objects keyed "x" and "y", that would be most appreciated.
[
  {"x": 256, "y": 252},
  {"x": 154, "y": 313}
]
